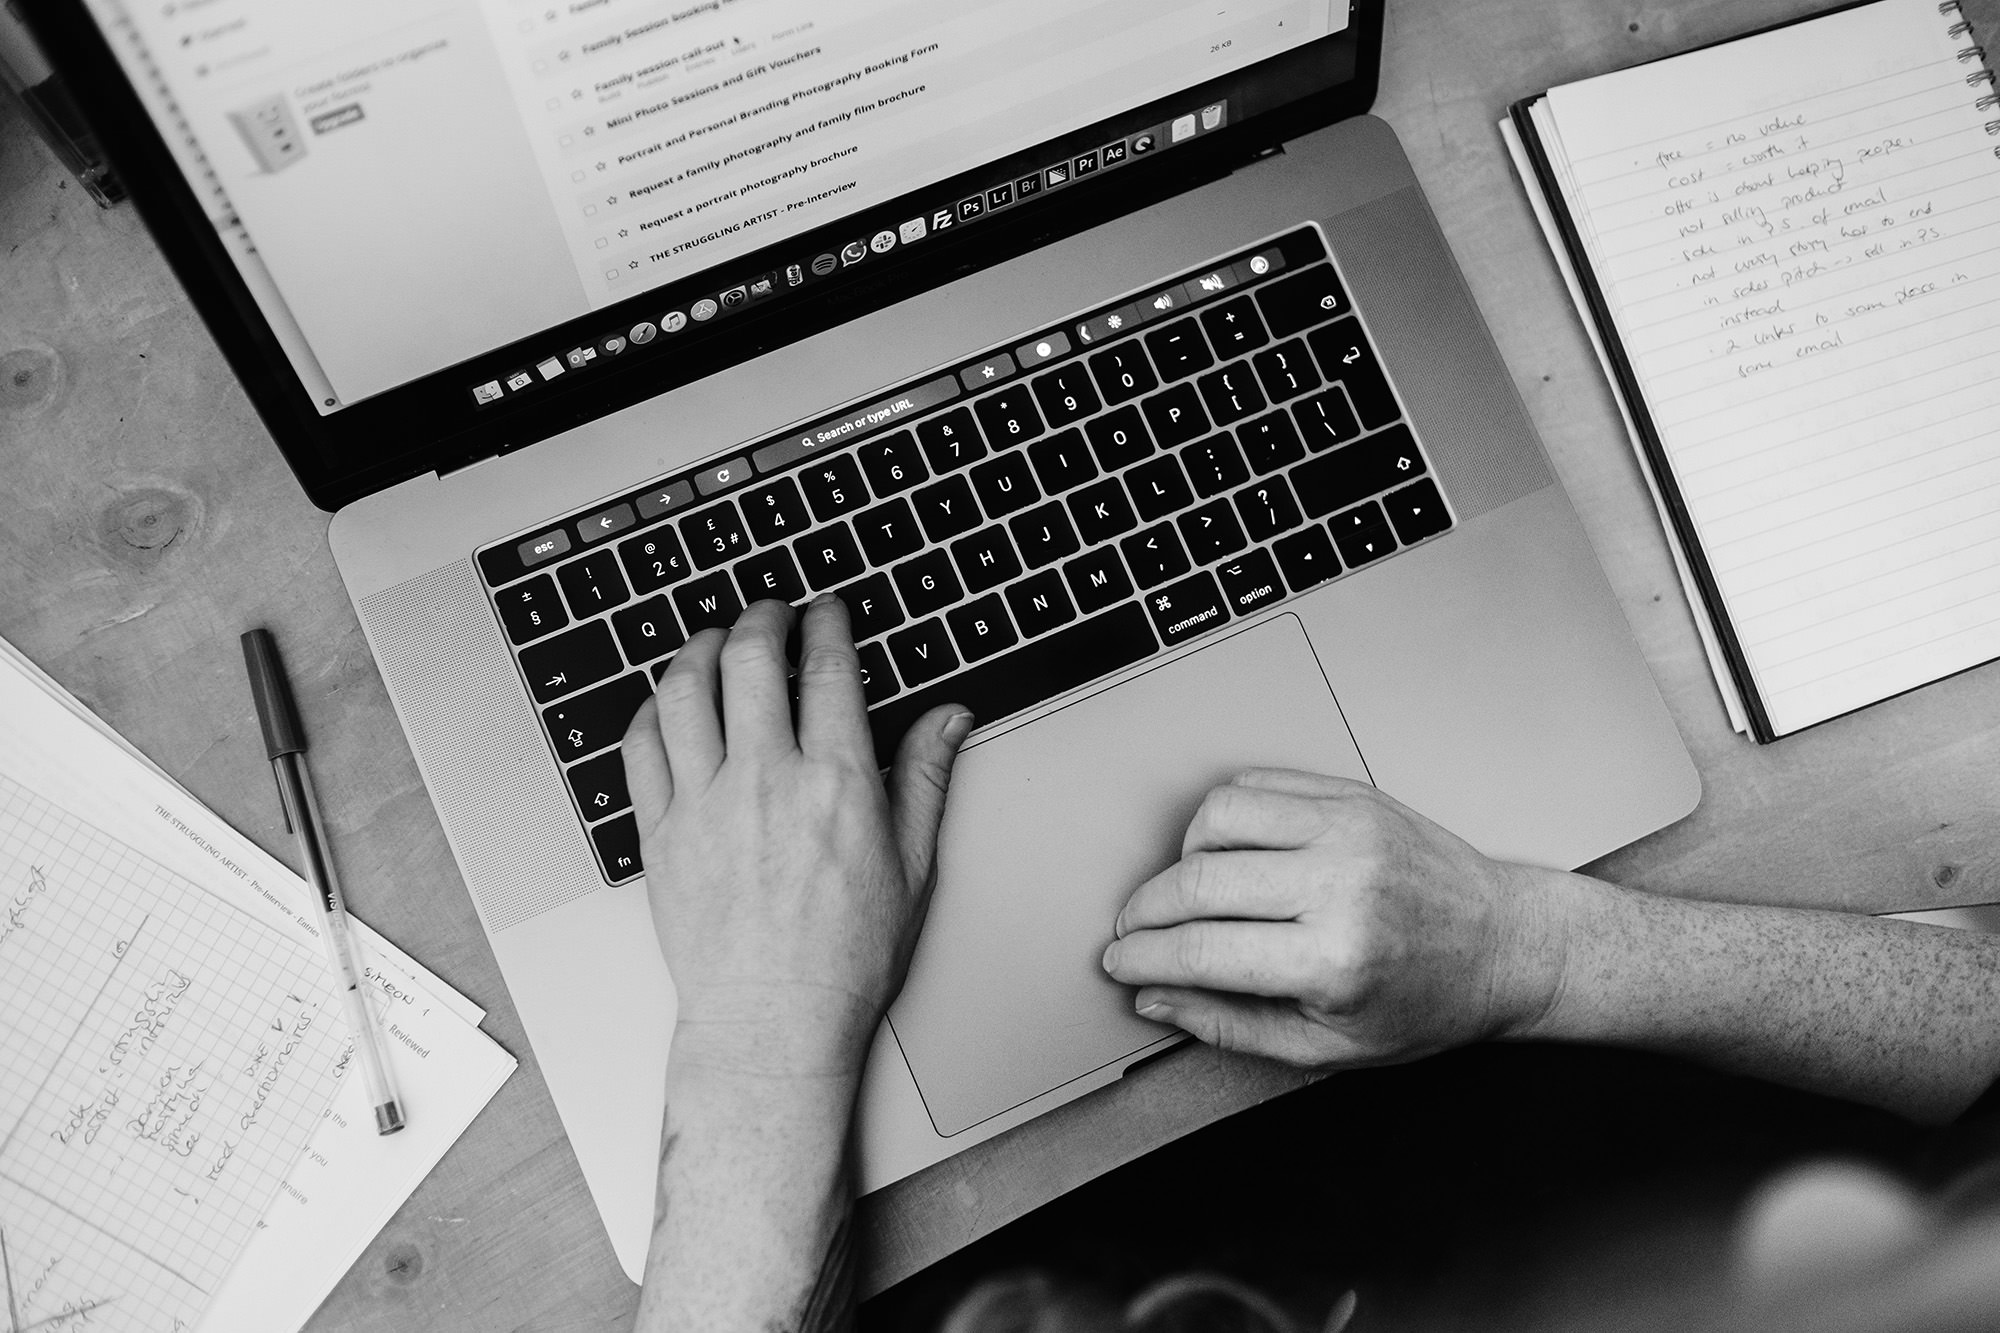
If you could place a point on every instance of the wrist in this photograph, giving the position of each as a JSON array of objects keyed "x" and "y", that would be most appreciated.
[
  {"x": 774, "y": 1037},
  {"x": 1536, "y": 950}
]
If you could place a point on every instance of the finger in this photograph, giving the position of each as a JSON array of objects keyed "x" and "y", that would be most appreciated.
[
  {"x": 756, "y": 695},
  {"x": 1239, "y": 886},
  {"x": 1255, "y": 1026},
  {"x": 833, "y": 713},
  {"x": 646, "y": 775},
  {"x": 689, "y": 701},
  {"x": 1248, "y": 957},
  {"x": 1297, "y": 782},
  {"x": 1235, "y": 815},
  {"x": 917, "y": 783}
]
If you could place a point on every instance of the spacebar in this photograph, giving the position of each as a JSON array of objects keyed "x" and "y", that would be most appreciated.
[{"x": 1004, "y": 685}]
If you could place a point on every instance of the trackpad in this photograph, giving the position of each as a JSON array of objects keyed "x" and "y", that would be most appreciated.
[{"x": 1048, "y": 830}]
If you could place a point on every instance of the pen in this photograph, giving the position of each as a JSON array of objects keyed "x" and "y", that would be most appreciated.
[{"x": 285, "y": 739}]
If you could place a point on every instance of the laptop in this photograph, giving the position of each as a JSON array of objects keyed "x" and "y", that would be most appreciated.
[{"x": 1105, "y": 357}]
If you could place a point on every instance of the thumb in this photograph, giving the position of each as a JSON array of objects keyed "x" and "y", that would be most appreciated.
[{"x": 917, "y": 783}]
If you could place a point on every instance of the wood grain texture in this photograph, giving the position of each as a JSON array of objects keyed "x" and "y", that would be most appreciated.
[{"x": 146, "y": 520}]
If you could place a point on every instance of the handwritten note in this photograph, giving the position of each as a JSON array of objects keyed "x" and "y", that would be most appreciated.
[
  {"x": 1798, "y": 235},
  {"x": 168, "y": 1056}
]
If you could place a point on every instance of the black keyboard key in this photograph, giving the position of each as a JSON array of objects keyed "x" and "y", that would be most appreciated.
[
  {"x": 1154, "y": 555},
  {"x": 1364, "y": 468},
  {"x": 1362, "y": 534},
  {"x": 928, "y": 583},
  {"x": 1185, "y": 609},
  {"x": 1343, "y": 354},
  {"x": 888, "y": 532},
  {"x": 1005, "y": 483},
  {"x": 833, "y": 487},
  {"x": 1211, "y": 532},
  {"x": 893, "y": 463},
  {"x": 923, "y": 652},
  {"x": 1040, "y": 603},
  {"x": 1176, "y": 416},
  {"x": 829, "y": 557},
  {"x": 647, "y": 631},
  {"x": 871, "y": 607},
  {"x": 1061, "y": 462},
  {"x": 775, "y": 513},
  {"x": 1102, "y": 511},
  {"x": 1215, "y": 465},
  {"x": 1179, "y": 350},
  {"x": 1326, "y": 420},
  {"x": 530, "y": 610},
  {"x": 571, "y": 660},
  {"x": 714, "y": 535},
  {"x": 599, "y": 785},
  {"x": 1119, "y": 438},
  {"x": 946, "y": 509},
  {"x": 1065, "y": 395},
  {"x": 1098, "y": 580},
  {"x": 1040, "y": 669},
  {"x": 1310, "y": 297},
  {"x": 1417, "y": 511},
  {"x": 1307, "y": 558},
  {"x": 1043, "y": 535},
  {"x": 1159, "y": 488},
  {"x": 770, "y": 576},
  {"x": 1250, "y": 582},
  {"x": 951, "y": 441},
  {"x": 1286, "y": 371},
  {"x": 1009, "y": 416},
  {"x": 653, "y": 561},
  {"x": 1270, "y": 442},
  {"x": 590, "y": 721},
  {"x": 1123, "y": 372},
  {"x": 710, "y": 602},
  {"x": 1234, "y": 327},
  {"x": 592, "y": 584},
  {"x": 981, "y": 628},
  {"x": 1231, "y": 393},
  {"x": 878, "y": 678},
  {"x": 1268, "y": 509},
  {"x": 617, "y": 844},
  {"x": 986, "y": 559}
]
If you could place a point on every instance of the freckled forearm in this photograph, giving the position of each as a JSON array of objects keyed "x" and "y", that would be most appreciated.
[
  {"x": 1887, "y": 1013},
  {"x": 751, "y": 1229}
]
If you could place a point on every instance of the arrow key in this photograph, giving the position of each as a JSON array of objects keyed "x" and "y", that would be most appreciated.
[
  {"x": 1417, "y": 511},
  {"x": 571, "y": 660},
  {"x": 605, "y": 522},
  {"x": 1362, "y": 534}
]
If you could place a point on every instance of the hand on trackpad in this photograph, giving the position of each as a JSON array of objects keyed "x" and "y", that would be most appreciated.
[{"x": 1051, "y": 826}]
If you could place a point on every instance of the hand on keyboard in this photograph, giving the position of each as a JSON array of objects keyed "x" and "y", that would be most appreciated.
[
  {"x": 787, "y": 882},
  {"x": 1317, "y": 921}
]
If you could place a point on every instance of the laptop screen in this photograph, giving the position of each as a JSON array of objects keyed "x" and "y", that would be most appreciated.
[{"x": 522, "y": 188}]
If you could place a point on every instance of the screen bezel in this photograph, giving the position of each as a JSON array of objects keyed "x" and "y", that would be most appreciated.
[{"x": 431, "y": 424}]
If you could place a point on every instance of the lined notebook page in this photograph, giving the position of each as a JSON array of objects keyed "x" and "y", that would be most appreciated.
[
  {"x": 166, "y": 1056},
  {"x": 1798, "y": 235}
]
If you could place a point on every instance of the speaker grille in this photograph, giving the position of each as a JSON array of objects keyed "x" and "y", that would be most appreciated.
[{"x": 479, "y": 746}]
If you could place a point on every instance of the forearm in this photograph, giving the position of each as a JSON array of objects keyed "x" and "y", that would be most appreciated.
[
  {"x": 1886, "y": 1013},
  {"x": 751, "y": 1228}
]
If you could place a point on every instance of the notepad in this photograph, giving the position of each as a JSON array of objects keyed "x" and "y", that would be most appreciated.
[{"x": 1790, "y": 247}]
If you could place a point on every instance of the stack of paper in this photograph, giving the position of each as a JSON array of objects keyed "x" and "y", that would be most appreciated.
[{"x": 350, "y": 1181}]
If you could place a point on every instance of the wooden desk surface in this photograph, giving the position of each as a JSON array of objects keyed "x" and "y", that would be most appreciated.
[{"x": 145, "y": 520}]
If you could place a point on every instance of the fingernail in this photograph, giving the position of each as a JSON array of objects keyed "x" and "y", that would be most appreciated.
[
  {"x": 824, "y": 598},
  {"x": 1157, "y": 1011},
  {"x": 1111, "y": 956},
  {"x": 956, "y": 728}
]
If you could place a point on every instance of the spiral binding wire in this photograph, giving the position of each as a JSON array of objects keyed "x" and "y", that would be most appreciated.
[{"x": 1963, "y": 28}]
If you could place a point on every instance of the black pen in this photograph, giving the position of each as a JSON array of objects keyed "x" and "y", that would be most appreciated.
[{"x": 285, "y": 739}]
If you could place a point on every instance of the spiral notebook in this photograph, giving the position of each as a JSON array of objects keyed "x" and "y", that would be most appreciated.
[{"x": 1788, "y": 248}]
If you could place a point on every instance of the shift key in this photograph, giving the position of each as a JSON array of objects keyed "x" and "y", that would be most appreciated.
[{"x": 596, "y": 719}]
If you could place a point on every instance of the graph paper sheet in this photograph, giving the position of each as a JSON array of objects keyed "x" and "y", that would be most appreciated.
[{"x": 167, "y": 1057}]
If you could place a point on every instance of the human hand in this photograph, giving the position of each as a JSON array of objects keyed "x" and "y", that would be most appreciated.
[
  {"x": 787, "y": 884},
  {"x": 1316, "y": 920}
]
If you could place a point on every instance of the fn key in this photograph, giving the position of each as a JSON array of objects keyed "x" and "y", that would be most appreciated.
[{"x": 617, "y": 843}]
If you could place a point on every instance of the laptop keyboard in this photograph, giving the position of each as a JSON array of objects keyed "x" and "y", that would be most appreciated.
[{"x": 1058, "y": 510}]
